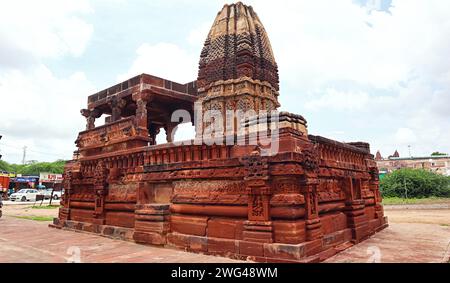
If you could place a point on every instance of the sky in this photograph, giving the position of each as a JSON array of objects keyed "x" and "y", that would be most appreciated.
[{"x": 357, "y": 70}]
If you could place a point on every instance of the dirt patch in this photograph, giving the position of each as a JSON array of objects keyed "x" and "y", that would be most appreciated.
[
  {"x": 25, "y": 210},
  {"x": 439, "y": 217},
  {"x": 433, "y": 206}
]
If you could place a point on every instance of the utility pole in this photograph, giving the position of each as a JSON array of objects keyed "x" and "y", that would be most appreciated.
[
  {"x": 24, "y": 154},
  {"x": 0, "y": 150},
  {"x": 409, "y": 149}
]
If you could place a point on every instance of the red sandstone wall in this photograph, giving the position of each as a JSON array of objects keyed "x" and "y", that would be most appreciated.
[{"x": 321, "y": 195}]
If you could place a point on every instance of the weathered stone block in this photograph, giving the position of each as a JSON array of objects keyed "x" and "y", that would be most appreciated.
[
  {"x": 223, "y": 246},
  {"x": 189, "y": 225},
  {"x": 289, "y": 232},
  {"x": 225, "y": 228}
]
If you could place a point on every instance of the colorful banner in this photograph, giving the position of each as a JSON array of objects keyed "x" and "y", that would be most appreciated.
[
  {"x": 25, "y": 179},
  {"x": 50, "y": 178},
  {"x": 6, "y": 174}
]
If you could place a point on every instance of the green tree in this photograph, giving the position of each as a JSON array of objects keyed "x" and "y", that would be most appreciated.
[
  {"x": 437, "y": 153},
  {"x": 33, "y": 169},
  {"x": 4, "y": 166},
  {"x": 415, "y": 184}
]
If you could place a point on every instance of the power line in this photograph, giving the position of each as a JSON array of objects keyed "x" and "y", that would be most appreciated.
[{"x": 33, "y": 151}]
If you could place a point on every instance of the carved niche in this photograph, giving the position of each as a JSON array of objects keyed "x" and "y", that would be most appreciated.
[
  {"x": 100, "y": 187},
  {"x": 258, "y": 188}
]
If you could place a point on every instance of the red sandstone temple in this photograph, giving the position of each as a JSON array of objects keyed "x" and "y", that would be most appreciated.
[{"x": 303, "y": 201}]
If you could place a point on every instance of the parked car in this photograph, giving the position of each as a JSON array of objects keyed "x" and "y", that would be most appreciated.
[
  {"x": 57, "y": 194},
  {"x": 47, "y": 193},
  {"x": 24, "y": 195}
]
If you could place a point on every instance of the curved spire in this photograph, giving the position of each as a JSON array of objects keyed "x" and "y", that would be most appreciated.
[{"x": 237, "y": 46}]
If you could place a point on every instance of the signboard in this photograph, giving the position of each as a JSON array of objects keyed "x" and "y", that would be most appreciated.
[
  {"x": 25, "y": 179},
  {"x": 6, "y": 174},
  {"x": 50, "y": 178}
]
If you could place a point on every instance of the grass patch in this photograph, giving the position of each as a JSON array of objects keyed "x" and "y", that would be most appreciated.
[
  {"x": 36, "y": 218},
  {"x": 45, "y": 207},
  {"x": 399, "y": 201}
]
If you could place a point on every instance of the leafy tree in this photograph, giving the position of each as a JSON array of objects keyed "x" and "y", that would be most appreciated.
[
  {"x": 415, "y": 184},
  {"x": 33, "y": 169},
  {"x": 4, "y": 166},
  {"x": 438, "y": 154}
]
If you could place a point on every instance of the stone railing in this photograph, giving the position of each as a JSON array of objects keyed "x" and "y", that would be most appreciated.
[
  {"x": 341, "y": 154},
  {"x": 156, "y": 155}
]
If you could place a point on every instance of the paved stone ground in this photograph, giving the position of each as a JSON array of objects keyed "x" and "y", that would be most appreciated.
[
  {"x": 414, "y": 235},
  {"x": 28, "y": 241},
  {"x": 401, "y": 243}
]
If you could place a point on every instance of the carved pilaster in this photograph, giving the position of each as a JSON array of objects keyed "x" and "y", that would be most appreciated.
[
  {"x": 65, "y": 198},
  {"x": 354, "y": 208},
  {"x": 313, "y": 224},
  {"x": 374, "y": 184},
  {"x": 152, "y": 223},
  {"x": 101, "y": 190},
  {"x": 259, "y": 226}
]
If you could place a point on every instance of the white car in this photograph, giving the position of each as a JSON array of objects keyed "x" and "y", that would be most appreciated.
[
  {"x": 48, "y": 193},
  {"x": 24, "y": 195},
  {"x": 57, "y": 194}
]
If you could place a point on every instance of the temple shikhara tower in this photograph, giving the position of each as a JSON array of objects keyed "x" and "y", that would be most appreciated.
[{"x": 301, "y": 198}]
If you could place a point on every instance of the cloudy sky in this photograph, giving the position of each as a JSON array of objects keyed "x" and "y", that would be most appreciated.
[{"x": 370, "y": 70}]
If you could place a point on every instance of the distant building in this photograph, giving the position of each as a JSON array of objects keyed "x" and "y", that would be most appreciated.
[{"x": 438, "y": 164}]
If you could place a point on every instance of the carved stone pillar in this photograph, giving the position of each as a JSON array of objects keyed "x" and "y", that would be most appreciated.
[
  {"x": 90, "y": 116},
  {"x": 116, "y": 104},
  {"x": 170, "y": 129},
  {"x": 259, "y": 227},
  {"x": 153, "y": 132},
  {"x": 101, "y": 190},
  {"x": 142, "y": 100}
]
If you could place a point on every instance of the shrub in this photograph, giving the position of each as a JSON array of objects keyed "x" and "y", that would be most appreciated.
[{"x": 419, "y": 184}]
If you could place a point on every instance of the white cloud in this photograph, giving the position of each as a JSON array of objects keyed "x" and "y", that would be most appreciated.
[
  {"x": 337, "y": 100},
  {"x": 41, "y": 111},
  {"x": 405, "y": 136},
  {"x": 332, "y": 59},
  {"x": 43, "y": 29},
  {"x": 165, "y": 60},
  {"x": 198, "y": 35}
]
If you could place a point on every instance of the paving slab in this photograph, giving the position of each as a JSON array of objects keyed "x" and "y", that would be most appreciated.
[
  {"x": 413, "y": 236},
  {"x": 416, "y": 234},
  {"x": 28, "y": 241}
]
